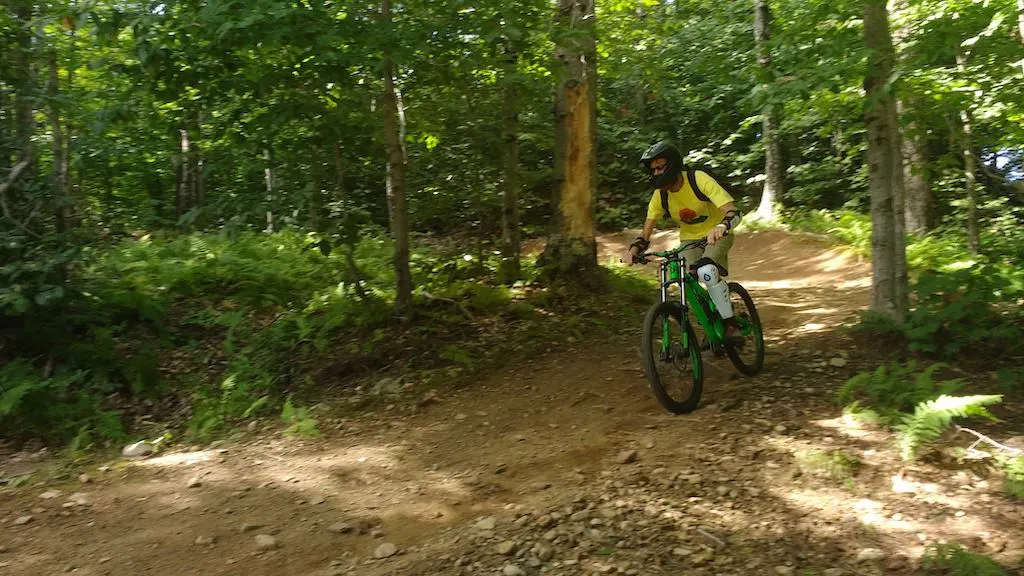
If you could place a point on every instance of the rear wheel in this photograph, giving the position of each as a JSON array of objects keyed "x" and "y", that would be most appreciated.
[
  {"x": 747, "y": 356},
  {"x": 672, "y": 361}
]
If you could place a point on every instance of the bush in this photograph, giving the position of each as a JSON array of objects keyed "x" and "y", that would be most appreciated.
[
  {"x": 965, "y": 309},
  {"x": 231, "y": 322}
]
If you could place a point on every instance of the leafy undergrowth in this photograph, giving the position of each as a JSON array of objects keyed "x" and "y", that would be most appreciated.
[
  {"x": 926, "y": 418},
  {"x": 200, "y": 332},
  {"x": 955, "y": 560}
]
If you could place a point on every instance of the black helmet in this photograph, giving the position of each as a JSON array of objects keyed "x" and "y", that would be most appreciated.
[{"x": 670, "y": 153}]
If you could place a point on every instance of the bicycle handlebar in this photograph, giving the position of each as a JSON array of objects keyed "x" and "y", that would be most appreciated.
[{"x": 645, "y": 257}]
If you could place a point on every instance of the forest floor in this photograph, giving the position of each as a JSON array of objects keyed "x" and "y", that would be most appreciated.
[{"x": 563, "y": 465}]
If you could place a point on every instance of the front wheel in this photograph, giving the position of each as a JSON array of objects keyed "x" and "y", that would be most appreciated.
[
  {"x": 672, "y": 361},
  {"x": 747, "y": 356}
]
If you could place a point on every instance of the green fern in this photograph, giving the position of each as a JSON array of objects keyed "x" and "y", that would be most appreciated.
[
  {"x": 956, "y": 560},
  {"x": 893, "y": 389},
  {"x": 300, "y": 422},
  {"x": 931, "y": 418},
  {"x": 1014, "y": 484}
]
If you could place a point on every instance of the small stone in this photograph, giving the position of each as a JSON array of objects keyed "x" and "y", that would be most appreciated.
[
  {"x": 512, "y": 570},
  {"x": 385, "y": 550},
  {"x": 194, "y": 482},
  {"x": 460, "y": 416},
  {"x": 50, "y": 494},
  {"x": 22, "y": 520},
  {"x": 340, "y": 528},
  {"x": 137, "y": 450},
  {"x": 543, "y": 552},
  {"x": 104, "y": 560},
  {"x": 627, "y": 456},
  {"x": 837, "y": 362},
  {"x": 487, "y": 523},
  {"x": 204, "y": 540},
  {"x": 722, "y": 490},
  {"x": 84, "y": 478},
  {"x": 833, "y": 572},
  {"x": 266, "y": 542},
  {"x": 539, "y": 486},
  {"x": 785, "y": 570},
  {"x": 870, "y": 555},
  {"x": 249, "y": 527},
  {"x": 682, "y": 551},
  {"x": 780, "y": 429},
  {"x": 318, "y": 499},
  {"x": 506, "y": 548}
]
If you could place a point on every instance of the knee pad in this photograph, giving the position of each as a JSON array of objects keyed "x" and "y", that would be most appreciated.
[{"x": 708, "y": 273}]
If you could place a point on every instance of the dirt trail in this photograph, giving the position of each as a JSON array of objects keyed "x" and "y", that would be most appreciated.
[{"x": 533, "y": 471}]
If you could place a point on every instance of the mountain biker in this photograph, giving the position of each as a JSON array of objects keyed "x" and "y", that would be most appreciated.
[{"x": 708, "y": 211}]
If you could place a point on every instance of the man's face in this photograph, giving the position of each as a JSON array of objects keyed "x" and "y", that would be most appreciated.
[{"x": 658, "y": 166}]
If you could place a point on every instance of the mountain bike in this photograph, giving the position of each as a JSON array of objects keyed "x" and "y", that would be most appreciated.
[{"x": 671, "y": 351}]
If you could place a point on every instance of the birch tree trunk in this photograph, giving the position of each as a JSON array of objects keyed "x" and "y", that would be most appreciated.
[
  {"x": 970, "y": 163},
  {"x": 270, "y": 179},
  {"x": 774, "y": 173},
  {"x": 396, "y": 172}
]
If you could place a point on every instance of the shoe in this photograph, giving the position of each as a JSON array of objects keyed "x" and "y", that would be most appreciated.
[{"x": 732, "y": 333}]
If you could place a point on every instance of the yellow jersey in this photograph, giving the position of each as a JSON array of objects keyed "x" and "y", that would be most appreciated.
[{"x": 695, "y": 217}]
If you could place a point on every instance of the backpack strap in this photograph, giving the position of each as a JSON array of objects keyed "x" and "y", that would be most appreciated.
[{"x": 691, "y": 176}]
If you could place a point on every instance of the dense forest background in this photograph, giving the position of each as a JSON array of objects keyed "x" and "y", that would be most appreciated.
[{"x": 203, "y": 202}]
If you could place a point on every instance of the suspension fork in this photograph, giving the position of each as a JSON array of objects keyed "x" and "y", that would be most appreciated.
[{"x": 670, "y": 273}]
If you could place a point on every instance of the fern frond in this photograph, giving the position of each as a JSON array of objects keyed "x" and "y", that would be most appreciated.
[{"x": 931, "y": 418}]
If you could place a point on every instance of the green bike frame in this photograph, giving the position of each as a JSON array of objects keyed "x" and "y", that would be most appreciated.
[{"x": 691, "y": 296}]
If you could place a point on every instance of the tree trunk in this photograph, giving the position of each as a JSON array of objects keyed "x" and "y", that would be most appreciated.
[
  {"x": 572, "y": 248},
  {"x": 5, "y": 134},
  {"x": 901, "y": 288},
  {"x": 271, "y": 182},
  {"x": 1020, "y": 26},
  {"x": 918, "y": 190},
  {"x": 66, "y": 207},
  {"x": 396, "y": 166},
  {"x": 510, "y": 266},
  {"x": 774, "y": 177},
  {"x": 348, "y": 234},
  {"x": 882, "y": 163},
  {"x": 199, "y": 180},
  {"x": 24, "y": 82},
  {"x": 970, "y": 163},
  {"x": 184, "y": 188}
]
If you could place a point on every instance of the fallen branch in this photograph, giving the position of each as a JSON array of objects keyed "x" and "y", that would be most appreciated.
[
  {"x": 462, "y": 308},
  {"x": 982, "y": 438},
  {"x": 5, "y": 186},
  {"x": 715, "y": 539},
  {"x": 14, "y": 175}
]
